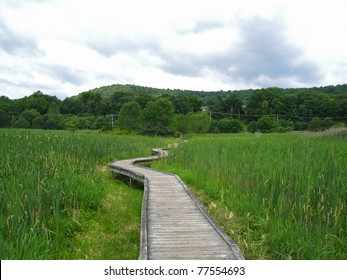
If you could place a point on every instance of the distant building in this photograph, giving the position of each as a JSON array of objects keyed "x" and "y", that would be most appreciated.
[
  {"x": 204, "y": 108},
  {"x": 244, "y": 108}
]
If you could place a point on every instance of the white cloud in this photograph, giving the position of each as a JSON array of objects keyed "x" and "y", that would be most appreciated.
[{"x": 68, "y": 46}]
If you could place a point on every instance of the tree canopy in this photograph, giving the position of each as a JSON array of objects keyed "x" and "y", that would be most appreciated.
[{"x": 166, "y": 111}]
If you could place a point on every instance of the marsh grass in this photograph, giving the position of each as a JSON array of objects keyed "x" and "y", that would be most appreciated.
[
  {"x": 333, "y": 132},
  {"x": 278, "y": 196},
  {"x": 114, "y": 231},
  {"x": 52, "y": 185}
]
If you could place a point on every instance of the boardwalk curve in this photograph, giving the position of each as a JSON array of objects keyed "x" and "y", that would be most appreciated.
[{"x": 174, "y": 225}]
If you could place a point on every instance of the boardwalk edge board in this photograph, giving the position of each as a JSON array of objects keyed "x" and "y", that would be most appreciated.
[
  {"x": 120, "y": 167},
  {"x": 143, "y": 242},
  {"x": 233, "y": 246}
]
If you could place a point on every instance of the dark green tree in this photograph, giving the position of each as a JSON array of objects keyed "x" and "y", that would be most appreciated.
[
  {"x": 319, "y": 124},
  {"x": 54, "y": 121},
  {"x": 117, "y": 100},
  {"x": 91, "y": 102},
  {"x": 71, "y": 105},
  {"x": 53, "y": 109},
  {"x": 38, "y": 101},
  {"x": 158, "y": 116},
  {"x": 195, "y": 103},
  {"x": 215, "y": 105},
  {"x": 39, "y": 122},
  {"x": 267, "y": 124},
  {"x": 182, "y": 105},
  {"x": 199, "y": 122},
  {"x": 229, "y": 126},
  {"x": 72, "y": 124},
  {"x": 86, "y": 121},
  {"x": 100, "y": 122},
  {"x": 252, "y": 127},
  {"x": 21, "y": 122},
  {"x": 143, "y": 99},
  {"x": 341, "y": 101},
  {"x": 5, "y": 109},
  {"x": 4, "y": 119},
  {"x": 30, "y": 115},
  {"x": 233, "y": 105},
  {"x": 181, "y": 123},
  {"x": 130, "y": 117},
  {"x": 263, "y": 101}
]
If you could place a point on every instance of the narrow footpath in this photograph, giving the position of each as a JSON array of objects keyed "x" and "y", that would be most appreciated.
[{"x": 173, "y": 223}]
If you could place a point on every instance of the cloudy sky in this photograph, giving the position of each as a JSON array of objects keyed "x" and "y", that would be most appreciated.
[{"x": 64, "y": 47}]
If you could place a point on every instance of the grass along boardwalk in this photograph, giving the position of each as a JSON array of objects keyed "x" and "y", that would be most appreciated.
[{"x": 173, "y": 223}]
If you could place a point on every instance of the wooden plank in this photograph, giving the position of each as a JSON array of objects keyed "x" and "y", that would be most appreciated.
[{"x": 173, "y": 223}]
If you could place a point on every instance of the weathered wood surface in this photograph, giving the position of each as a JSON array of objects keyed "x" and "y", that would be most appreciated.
[{"x": 173, "y": 223}]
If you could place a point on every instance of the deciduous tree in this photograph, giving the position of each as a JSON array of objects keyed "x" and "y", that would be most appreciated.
[
  {"x": 158, "y": 116},
  {"x": 130, "y": 117}
]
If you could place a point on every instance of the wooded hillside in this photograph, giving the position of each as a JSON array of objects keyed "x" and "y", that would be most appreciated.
[{"x": 265, "y": 110}]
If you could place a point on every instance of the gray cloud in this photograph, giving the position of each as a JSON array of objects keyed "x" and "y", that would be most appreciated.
[
  {"x": 108, "y": 48},
  {"x": 263, "y": 51},
  {"x": 27, "y": 88},
  {"x": 180, "y": 63},
  {"x": 125, "y": 44},
  {"x": 6, "y": 82},
  {"x": 263, "y": 56},
  {"x": 30, "y": 84},
  {"x": 191, "y": 64},
  {"x": 64, "y": 74},
  {"x": 158, "y": 49},
  {"x": 15, "y": 44}
]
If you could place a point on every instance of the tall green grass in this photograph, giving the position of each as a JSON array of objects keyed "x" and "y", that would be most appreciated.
[
  {"x": 50, "y": 185},
  {"x": 279, "y": 196}
]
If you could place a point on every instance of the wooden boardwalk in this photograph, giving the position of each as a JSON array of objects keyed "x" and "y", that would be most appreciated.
[{"x": 173, "y": 223}]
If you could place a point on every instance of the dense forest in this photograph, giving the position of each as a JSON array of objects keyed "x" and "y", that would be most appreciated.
[{"x": 145, "y": 110}]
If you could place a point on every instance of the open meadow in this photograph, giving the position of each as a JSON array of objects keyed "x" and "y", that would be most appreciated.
[
  {"x": 279, "y": 196},
  {"x": 58, "y": 200}
]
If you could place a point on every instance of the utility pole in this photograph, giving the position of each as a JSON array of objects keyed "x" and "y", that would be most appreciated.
[{"x": 112, "y": 115}]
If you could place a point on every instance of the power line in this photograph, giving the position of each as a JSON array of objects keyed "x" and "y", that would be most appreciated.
[{"x": 271, "y": 115}]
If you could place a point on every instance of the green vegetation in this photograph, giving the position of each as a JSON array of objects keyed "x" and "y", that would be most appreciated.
[
  {"x": 114, "y": 232},
  {"x": 280, "y": 196},
  {"x": 54, "y": 191},
  {"x": 132, "y": 109},
  {"x": 158, "y": 116}
]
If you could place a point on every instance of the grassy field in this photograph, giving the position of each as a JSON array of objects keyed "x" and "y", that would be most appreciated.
[
  {"x": 57, "y": 200},
  {"x": 278, "y": 196}
]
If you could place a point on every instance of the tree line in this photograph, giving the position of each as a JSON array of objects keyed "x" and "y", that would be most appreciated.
[{"x": 151, "y": 111}]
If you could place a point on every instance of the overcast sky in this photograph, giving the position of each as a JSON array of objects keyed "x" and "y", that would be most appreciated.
[{"x": 64, "y": 47}]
